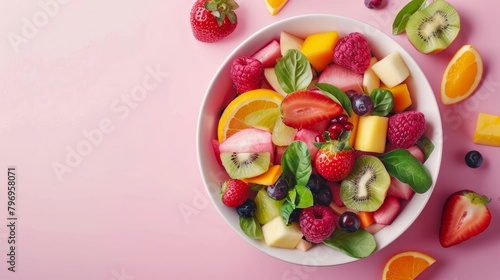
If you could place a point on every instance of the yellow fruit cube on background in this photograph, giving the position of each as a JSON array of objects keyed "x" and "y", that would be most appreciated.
[
  {"x": 318, "y": 48},
  {"x": 278, "y": 234},
  {"x": 487, "y": 130},
  {"x": 372, "y": 134}
]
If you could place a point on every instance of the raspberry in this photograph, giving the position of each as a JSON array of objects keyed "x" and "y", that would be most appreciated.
[
  {"x": 352, "y": 51},
  {"x": 317, "y": 223},
  {"x": 247, "y": 73},
  {"x": 234, "y": 192},
  {"x": 404, "y": 129}
]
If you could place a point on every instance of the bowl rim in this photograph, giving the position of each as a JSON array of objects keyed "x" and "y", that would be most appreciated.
[{"x": 437, "y": 153}]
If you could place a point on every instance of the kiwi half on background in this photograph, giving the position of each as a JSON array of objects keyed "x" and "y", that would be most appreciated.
[{"x": 433, "y": 28}]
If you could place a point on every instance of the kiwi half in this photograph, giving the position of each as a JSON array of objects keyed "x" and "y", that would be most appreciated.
[
  {"x": 365, "y": 188},
  {"x": 433, "y": 28},
  {"x": 245, "y": 165}
]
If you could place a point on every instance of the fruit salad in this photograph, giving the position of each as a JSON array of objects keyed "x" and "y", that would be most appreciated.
[{"x": 320, "y": 144}]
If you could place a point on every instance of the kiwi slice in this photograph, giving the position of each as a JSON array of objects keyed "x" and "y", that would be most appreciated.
[
  {"x": 245, "y": 165},
  {"x": 433, "y": 28},
  {"x": 365, "y": 188}
]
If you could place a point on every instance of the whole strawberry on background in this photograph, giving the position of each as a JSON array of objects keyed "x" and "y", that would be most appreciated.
[{"x": 213, "y": 20}]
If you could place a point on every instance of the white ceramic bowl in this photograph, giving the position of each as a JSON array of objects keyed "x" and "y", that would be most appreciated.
[{"x": 220, "y": 93}]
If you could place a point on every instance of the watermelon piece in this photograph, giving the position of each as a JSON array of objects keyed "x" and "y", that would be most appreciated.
[
  {"x": 341, "y": 77},
  {"x": 389, "y": 210},
  {"x": 269, "y": 54}
]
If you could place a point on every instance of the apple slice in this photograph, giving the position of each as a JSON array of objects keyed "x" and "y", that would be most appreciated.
[
  {"x": 290, "y": 42},
  {"x": 370, "y": 80},
  {"x": 272, "y": 80}
]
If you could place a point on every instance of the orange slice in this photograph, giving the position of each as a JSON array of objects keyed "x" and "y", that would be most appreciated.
[
  {"x": 462, "y": 75},
  {"x": 256, "y": 108},
  {"x": 406, "y": 265},
  {"x": 274, "y": 6}
]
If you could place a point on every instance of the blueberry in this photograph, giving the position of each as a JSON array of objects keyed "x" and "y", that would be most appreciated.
[
  {"x": 473, "y": 159},
  {"x": 362, "y": 105},
  {"x": 294, "y": 216},
  {"x": 349, "y": 221},
  {"x": 279, "y": 190},
  {"x": 315, "y": 183},
  {"x": 247, "y": 209},
  {"x": 323, "y": 196}
]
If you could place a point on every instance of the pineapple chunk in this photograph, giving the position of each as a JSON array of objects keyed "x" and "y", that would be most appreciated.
[
  {"x": 371, "y": 134},
  {"x": 278, "y": 234},
  {"x": 391, "y": 70},
  {"x": 318, "y": 48},
  {"x": 487, "y": 130}
]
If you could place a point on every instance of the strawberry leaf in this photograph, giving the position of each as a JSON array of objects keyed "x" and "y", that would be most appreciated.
[{"x": 293, "y": 71}]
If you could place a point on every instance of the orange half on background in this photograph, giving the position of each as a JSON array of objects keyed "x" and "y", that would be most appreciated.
[
  {"x": 462, "y": 75},
  {"x": 406, "y": 265}
]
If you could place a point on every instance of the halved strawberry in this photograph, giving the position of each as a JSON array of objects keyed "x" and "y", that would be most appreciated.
[
  {"x": 465, "y": 215},
  {"x": 305, "y": 108}
]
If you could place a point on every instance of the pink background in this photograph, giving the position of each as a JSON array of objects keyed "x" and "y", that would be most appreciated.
[{"x": 98, "y": 112}]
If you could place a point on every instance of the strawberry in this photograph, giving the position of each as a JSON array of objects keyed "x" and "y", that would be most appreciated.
[
  {"x": 213, "y": 20},
  {"x": 335, "y": 158},
  {"x": 234, "y": 192},
  {"x": 305, "y": 108},
  {"x": 465, "y": 215}
]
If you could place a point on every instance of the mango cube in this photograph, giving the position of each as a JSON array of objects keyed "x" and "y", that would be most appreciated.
[
  {"x": 278, "y": 234},
  {"x": 318, "y": 48},
  {"x": 402, "y": 97},
  {"x": 371, "y": 134},
  {"x": 487, "y": 130},
  {"x": 354, "y": 120}
]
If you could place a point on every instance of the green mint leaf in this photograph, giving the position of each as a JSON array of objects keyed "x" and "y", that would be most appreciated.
[
  {"x": 383, "y": 102},
  {"x": 399, "y": 24},
  {"x": 286, "y": 210},
  {"x": 425, "y": 144},
  {"x": 304, "y": 197},
  {"x": 406, "y": 168},
  {"x": 293, "y": 71},
  {"x": 358, "y": 244},
  {"x": 337, "y": 94},
  {"x": 251, "y": 227},
  {"x": 296, "y": 164}
]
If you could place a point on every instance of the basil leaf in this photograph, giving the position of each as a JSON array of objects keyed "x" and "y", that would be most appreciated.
[
  {"x": 304, "y": 197},
  {"x": 383, "y": 102},
  {"x": 425, "y": 144},
  {"x": 293, "y": 71},
  {"x": 358, "y": 244},
  {"x": 399, "y": 24},
  {"x": 251, "y": 227},
  {"x": 296, "y": 164},
  {"x": 338, "y": 94},
  {"x": 286, "y": 210},
  {"x": 406, "y": 168}
]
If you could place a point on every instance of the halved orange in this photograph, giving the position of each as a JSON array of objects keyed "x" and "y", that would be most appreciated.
[
  {"x": 274, "y": 6},
  {"x": 256, "y": 108},
  {"x": 406, "y": 265},
  {"x": 462, "y": 75}
]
